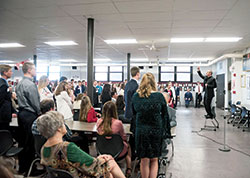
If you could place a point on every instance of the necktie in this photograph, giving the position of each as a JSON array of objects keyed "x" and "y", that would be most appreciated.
[{"x": 199, "y": 89}]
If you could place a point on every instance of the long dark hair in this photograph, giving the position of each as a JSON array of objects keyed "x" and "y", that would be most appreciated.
[
  {"x": 109, "y": 111},
  {"x": 120, "y": 102},
  {"x": 106, "y": 90}
]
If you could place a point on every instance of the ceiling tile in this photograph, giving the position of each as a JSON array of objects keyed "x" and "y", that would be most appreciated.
[
  {"x": 195, "y": 23},
  {"x": 90, "y": 9},
  {"x": 199, "y": 15},
  {"x": 166, "y": 24},
  {"x": 51, "y": 11},
  {"x": 204, "y": 4},
  {"x": 146, "y": 17},
  {"x": 144, "y": 6}
]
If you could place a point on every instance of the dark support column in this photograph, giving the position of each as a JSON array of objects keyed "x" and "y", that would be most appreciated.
[
  {"x": 35, "y": 63},
  {"x": 90, "y": 58},
  {"x": 128, "y": 66}
]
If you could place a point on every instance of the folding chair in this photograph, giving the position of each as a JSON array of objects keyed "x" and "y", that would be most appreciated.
[
  {"x": 110, "y": 144},
  {"x": 76, "y": 114},
  {"x": 7, "y": 148},
  {"x": 58, "y": 173},
  {"x": 235, "y": 113},
  {"x": 39, "y": 142}
]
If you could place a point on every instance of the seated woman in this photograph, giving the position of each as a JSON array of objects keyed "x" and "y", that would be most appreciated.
[
  {"x": 87, "y": 112},
  {"x": 67, "y": 156},
  {"x": 120, "y": 105},
  {"x": 77, "y": 102},
  {"x": 109, "y": 124}
]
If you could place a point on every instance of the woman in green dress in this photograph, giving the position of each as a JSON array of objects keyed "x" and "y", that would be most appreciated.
[
  {"x": 152, "y": 124},
  {"x": 59, "y": 154}
]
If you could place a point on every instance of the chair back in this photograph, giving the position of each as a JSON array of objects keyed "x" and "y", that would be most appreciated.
[
  {"x": 243, "y": 112},
  {"x": 58, "y": 173},
  {"x": 6, "y": 141},
  {"x": 233, "y": 109},
  {"x": 39, "y": 142},
  {"x": 238, "y": 103},
  {"x": 76, "y": 114},
  {"x": 109, "y": 144}
]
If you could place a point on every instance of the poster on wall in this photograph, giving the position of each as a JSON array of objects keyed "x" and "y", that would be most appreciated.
[{"x": 248, "y": 87}]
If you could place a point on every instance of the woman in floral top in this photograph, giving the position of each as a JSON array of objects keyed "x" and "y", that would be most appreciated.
[{"x": 65, "y": 155}]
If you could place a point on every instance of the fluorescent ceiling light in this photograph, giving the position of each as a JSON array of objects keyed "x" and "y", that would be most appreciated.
[
  {"x": 226, "y": 39},
  {"x": 67, "y": 60},
  {"x": 10, "y": 45},
  {"x": 61, "y": 43},
  {"x": 121, "y": 41},
  {"x": 6, "y": 61},
  {"x": 186, "y": 40},
  {"x": 139, "y": 59},
  {"x": 102, "y": 60},
  {"x": 190, "y": 59}
]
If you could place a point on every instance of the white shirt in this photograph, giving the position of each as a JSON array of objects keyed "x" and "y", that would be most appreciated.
[
  {"x": 45, "y": 94},
  {"x": 64, "y": 105},
  {"x": 197, "y": 87}
]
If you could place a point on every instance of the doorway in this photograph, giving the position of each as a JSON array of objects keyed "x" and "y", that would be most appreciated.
[{"x": 220, "y": 95}]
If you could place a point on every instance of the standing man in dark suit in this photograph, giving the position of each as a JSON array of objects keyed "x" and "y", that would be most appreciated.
[
  {"x": 6, "y": 108},
  {"x": 209, "y": 85},
  {"x": 129, "y": 91}
]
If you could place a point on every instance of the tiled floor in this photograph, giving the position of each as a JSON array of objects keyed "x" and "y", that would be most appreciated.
[{"x": 198, "y": 157}]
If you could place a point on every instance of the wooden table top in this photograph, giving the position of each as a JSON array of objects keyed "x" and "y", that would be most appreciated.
[{"x": 79, "y": 126}]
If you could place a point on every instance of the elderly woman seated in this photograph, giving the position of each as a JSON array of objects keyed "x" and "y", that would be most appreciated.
[{"x": 65, "y": 155}]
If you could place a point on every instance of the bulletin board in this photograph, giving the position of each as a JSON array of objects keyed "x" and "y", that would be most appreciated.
[{"x": 248, "y": 87}]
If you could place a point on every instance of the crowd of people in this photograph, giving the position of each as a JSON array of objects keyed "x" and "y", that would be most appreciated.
[{"x": 43, "y": 107}]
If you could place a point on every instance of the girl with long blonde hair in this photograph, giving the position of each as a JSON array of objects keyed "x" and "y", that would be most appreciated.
[{"x": 43, "y": 90}]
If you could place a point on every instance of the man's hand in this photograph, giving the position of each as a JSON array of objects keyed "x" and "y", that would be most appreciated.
[
  {"x": 198, "y": 68},
  {"x": 206, "y": 84}
]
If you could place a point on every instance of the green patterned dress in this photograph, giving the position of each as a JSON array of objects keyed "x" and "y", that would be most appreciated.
[
  {"x": 152, "y": 123},
  {"x": 69, "y": 157}
]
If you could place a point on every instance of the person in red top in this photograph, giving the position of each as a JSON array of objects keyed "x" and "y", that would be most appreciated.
[
  {"x": 110, "y": 124},
  {"x": 87, "y": 112}
]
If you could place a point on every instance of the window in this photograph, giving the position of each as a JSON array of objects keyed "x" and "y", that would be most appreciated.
[
  {"x": 116, "y": 73},
  {"x": 115, "y": 76},
  {"x": 109, "y": 73},
  {"x": 183, "y": 77},
  {"x": 41, "y": 70},
  {"x": 100, "y": 76},
  {"x": 54, "y": 72},
  {"x": 166, "y": 73},
  {"x": 183, "y": 74},
  {"x": 175, "y": 73},
  {"x": 167, "y": 76}
]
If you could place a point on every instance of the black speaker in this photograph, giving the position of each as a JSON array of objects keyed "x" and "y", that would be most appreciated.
[
  {"x": 150, "y": 67},
  {"x": 74, "y": 67},
  {"x": 141, "y": 67}
]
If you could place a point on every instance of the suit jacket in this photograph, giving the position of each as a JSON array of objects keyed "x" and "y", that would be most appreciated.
[
  {"x": 211, "y": 84},
  {"x": 129, "y": 91},
  {"x": 77, "y": 90},
  {"x": 6, "y": 108}
]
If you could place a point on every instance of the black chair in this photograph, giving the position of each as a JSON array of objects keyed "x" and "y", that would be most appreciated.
[
  {"x": 57, "y": 173},
  {"x": 235, "y": 113},
  {"x": 110, "y": 144},
  {"x": 39, "y": 141},
  {"x": 76, "y": 114},
  {"x": 7, "y": 148}
]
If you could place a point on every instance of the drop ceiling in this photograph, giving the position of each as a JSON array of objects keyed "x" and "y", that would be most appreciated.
[{"x": 33, "y": 22}]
